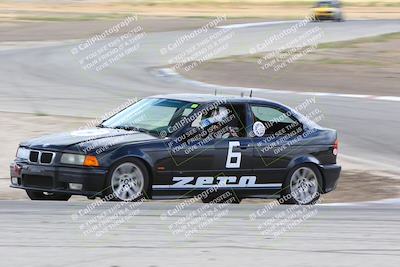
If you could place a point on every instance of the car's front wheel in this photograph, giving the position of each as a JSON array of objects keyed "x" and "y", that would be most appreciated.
[
  {"x": 128, "y": 180},
  {"x": 339, "y": 18},
  {"x": 40, "y": 195},
  {"x": 301, "y": 187}
]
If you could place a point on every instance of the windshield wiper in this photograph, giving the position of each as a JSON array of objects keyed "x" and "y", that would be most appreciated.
[
  {"x": 101, "y": 126},
  {"x": 127, "y": 128},
  {"x": 132, "y": 128}
]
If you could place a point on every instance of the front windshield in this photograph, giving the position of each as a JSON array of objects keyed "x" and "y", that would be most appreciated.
[
  {"x": 324, "y": 4},
  {"x": 151, "y": 114}
]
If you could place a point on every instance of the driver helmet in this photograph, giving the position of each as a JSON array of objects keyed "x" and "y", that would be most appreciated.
[{"x": 217, "y": 115}]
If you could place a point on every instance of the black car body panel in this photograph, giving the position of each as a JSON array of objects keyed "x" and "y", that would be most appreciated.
[{"x": 261, "y": 172}]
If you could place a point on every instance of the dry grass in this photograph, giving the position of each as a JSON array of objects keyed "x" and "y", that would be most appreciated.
[{"x": 101, "y": 10}]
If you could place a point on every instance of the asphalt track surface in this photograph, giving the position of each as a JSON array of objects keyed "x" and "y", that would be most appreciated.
[
  {"x": 46, "y": 78},
  {"x": 45, "y": 234}
]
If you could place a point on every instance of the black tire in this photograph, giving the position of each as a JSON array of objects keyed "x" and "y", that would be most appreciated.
[
  {"x": 289, "y": 197},
  {"x": 339, "y": 19},
  {"x": 112, "y": 195},
  {"x": 219, "y": 198},
  {"x": 41, "y": 195}
]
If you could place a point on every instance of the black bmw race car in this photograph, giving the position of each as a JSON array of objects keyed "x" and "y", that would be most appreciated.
[{"x": 178, "y": 146}]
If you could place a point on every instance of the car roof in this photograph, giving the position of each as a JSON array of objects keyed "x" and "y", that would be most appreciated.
[
  {"x": 329, "y": 1},
  {"x": 207, "y": 98}
]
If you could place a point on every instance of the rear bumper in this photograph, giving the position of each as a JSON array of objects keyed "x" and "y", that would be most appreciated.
[
  {"x": 330, "y": 176},
  {"x": 57, "y": 178}
]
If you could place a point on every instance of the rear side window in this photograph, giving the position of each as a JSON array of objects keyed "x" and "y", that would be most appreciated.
[{"x": 276, "y": 121}]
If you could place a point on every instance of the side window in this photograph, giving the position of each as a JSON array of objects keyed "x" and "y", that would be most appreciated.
[
  {"x": 275, "y": 121},
  {"x": 225, "y": 121}
]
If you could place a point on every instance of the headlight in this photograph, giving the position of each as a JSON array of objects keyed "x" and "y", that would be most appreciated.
[
  {"x": 22, "y": 153},
  {"x": 74, "y": 159}
]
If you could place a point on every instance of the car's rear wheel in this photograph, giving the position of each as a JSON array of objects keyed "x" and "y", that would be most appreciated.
[
  {"x": 128, "y": 181},
  {"x": 41, "y": 195},
  {"x": 301, "y": 187},
  {"x": 222, "y": 197}
]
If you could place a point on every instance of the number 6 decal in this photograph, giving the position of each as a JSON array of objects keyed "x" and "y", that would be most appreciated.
[{"x": 233, "y": 155}]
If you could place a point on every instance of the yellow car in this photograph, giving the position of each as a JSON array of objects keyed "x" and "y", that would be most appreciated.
[{"x": 328, "y": 10}]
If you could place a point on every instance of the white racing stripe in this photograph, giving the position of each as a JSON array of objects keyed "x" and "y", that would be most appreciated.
[
  {"x": 353, "y": 95},
  {"x": 388, "y": 201},
  {"x": 266, "y": 23},
  {"x": 165, "y": 72},
  {"x": 388, "y": 98},
  {"x": 256, "y": 24},
  {"x": 234, "y": 186}
]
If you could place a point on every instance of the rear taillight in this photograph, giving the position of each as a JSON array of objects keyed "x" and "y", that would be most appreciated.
[{"x": 335, "y": 150}]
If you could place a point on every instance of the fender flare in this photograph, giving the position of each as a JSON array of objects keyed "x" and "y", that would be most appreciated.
[
  {"x": 137, "y": 154},
  {"x": 306, "y": 159},
  {"x": 303, "y": 159}
]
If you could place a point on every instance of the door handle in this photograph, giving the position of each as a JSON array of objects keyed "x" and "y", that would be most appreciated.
[{"x": 245, "y": 146}]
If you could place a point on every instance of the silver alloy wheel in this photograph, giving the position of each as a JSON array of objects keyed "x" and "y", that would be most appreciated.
[
  {"x": 304, "y": 185},
  {"x": 127, "y": 181}
]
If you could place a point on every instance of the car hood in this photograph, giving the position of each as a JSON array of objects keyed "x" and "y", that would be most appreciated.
[
  {"x": 324, "y": 9},
  {"x": 87, "y": 140}
]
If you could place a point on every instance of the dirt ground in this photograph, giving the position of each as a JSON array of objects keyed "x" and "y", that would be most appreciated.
[
  {"x": 372, "y": 62},
  {"x": 11, "y": 10},
  {"x": 354, "y": 185},
  {"x": 16, "y": 31}
]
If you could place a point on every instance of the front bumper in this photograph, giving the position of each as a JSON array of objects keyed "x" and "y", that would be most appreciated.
[
  {"x": 321, "y": 15},
  {"x": 50, "y": 178},
  {"x": 324, "y": 17},
  {"x": 330, "y": 176}
]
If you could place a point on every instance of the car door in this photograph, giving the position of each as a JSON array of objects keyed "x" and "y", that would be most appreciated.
[
  {"x": 222, "y": 150},
  {"x": 275, "y": 130},
  {"x": 234, "y": 154},
  {"x": 191, "y": 155}
]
